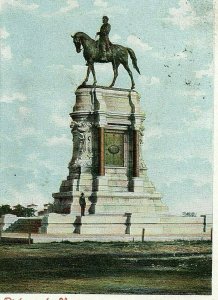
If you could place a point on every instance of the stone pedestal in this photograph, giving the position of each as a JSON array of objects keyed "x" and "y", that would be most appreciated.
[{"x": 107, "y": 163}]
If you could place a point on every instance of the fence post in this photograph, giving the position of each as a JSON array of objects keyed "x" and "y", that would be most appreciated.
[
  {"x": 205, "y": 222},
  {"x": 29, "y": 232},
  {"x": 143, "y": 235},
  {"x": 0, "y": 231}
]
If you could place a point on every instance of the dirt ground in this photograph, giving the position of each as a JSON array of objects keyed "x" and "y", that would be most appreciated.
[{"x": 176, "y": 268}]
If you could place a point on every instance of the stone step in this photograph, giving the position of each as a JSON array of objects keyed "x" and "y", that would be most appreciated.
[
  {"x": 103, "y": 219},
  {"x": 121, "y": 224},
  {"x": 97, "y": 229},
  {"x": 119, "y": 209},
  {"x": 49, "y": 238},
  {"x": 115, "y": 182},
  {"x": 109, "y": 194},
  {"x": 116, "y": 188}
]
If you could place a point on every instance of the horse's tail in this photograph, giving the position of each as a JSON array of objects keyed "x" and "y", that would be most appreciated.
[{"x": 134, "y": 59}]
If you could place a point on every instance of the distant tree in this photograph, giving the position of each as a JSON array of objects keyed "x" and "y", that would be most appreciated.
[
  {"x": 5, "y": 209},
  {"x": 30, "y": 212},
  {"x": 18, "y": 210},
  {"x": 189, "y": 214},
  {"x": 21, "y": 211}
]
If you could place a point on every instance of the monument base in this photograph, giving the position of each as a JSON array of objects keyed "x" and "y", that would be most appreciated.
[
  {"x": 107, "y": 165},
  {"x": 129, "y": 225}
]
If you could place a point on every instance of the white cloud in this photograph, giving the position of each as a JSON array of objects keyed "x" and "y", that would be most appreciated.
[
  {"x": 56, "y": 67},
  {"x": 195, "y": 203},
  {"x": 100, "y": 3},
  {"x": 31, "y": 186},
  {"x": 27, "y": 62},
  {"x": 115, "y": 38},
  {"x": 180, "y": 55},
  {"x": 194, "y": 93},
  {"x": 3, "y": 33},
  {"x": 206, "y": 72},
  {"x": 153, "y": 132},
  {"x": 202, "y": 152},
  {"x": 58, "y": 141},
  {"x": 27, "y": 132},
  {"x": 6, "y": 53},
  {"x": 166, "y": 56},
  {"x": 183, "y": 16},
  {"x": 136, "y": 42},
  {"x": 37, "y": 163},
  {"x": 204, "y": 42},
  {"x": 61, "y": 107},
  {"x": 201, "y": 119},
  {"x": 4, "y": 137},
  {"x": 198, "y": 179},
  {"x": 50, "y": 165},
  {"x": 5, "y": 49},
  {"x": 77, "y": 72},
  {"x": 30, "y": 194},
  {"x": 103, "y": 68},
  {"x": 23, "y": 167},
  {"x": 70, "y": 5},
  {"x": 13, "y": 97},
  {"x": 24, "y": 111},
  {"x": 61, "y": 68},
  {"x": 32, "y": 156},
  {"x": 60, "y": 121},
  {"x": 19, "y": 4},
  {"x": 144, "y": 80},
  {"x": 108, "y": 11},
  {"x": 5, "y": 166}
]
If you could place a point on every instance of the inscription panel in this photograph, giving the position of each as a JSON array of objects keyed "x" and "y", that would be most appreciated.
[{"x": 114, "y": 149}]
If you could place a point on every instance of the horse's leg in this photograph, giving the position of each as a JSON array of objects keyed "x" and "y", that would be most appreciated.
[
  {"x": 115, "y": 69},
  {"x": 87, "y": 76},
  {"x": 93, "y": 73},
  {"x": 126, "y": 66}
]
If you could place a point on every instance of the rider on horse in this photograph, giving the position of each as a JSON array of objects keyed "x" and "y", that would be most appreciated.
[
  {"x": 104, "y": 43},
  {"x": 104, "y": 51}
]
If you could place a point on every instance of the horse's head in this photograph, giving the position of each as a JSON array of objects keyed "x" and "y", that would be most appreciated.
[{"x": 77, "y": 42}]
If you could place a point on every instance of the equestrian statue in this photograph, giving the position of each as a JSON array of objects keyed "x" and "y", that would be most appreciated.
[{"x": 103, "y": 51}]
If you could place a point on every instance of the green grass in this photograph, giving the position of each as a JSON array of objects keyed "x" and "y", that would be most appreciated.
[{"x": 115, "y": 268}]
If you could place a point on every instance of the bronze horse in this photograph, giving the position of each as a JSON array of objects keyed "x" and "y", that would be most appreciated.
[{"x": 116, "y": 55}]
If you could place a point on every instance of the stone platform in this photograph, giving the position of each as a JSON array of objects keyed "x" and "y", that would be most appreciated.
[
  {"x": 104, "y": 238},
  {"x": 128, "y": 225},
  {"x": 107, "y": 165}
]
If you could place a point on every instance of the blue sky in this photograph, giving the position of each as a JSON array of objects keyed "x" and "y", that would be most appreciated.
[{"x": 40, "y": 70}]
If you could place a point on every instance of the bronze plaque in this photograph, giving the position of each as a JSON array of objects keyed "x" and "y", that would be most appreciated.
[{"x": 114, "y": 149}]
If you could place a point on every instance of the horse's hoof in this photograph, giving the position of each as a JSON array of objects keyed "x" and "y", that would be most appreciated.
[
  {"x": 110, "y": 86},
  {"x": 94, "y": 83},
  {"x": 132, "y": 88}
]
